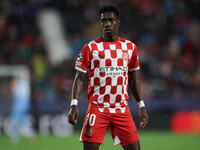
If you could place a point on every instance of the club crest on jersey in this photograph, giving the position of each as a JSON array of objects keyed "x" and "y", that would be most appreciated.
[
  {"x": 125, "y": 56},
  {"x": 80, "y": 56},
  {"x": 89, "y": 131}
]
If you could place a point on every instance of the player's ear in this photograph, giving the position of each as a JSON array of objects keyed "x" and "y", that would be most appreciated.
[{"x": 119, "y": 22}]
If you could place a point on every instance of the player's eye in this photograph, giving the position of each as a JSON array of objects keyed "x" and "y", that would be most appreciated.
[
  {"x": 110, "y": 20},
  {"x": 103, "y": 20}
]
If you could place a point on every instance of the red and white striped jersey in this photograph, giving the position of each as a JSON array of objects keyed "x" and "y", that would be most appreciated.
[{"x": 108, "y": 64}]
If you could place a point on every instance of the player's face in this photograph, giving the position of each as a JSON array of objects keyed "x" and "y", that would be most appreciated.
[{"x": 109, "y": 24}]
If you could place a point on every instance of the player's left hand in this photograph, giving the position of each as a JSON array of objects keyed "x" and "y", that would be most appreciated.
[
  {"x": 73, "y": 115},
  {"x": 143, "y": 117}
]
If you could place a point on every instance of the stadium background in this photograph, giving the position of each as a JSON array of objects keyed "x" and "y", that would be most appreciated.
[{"x": 46, "y": 36}]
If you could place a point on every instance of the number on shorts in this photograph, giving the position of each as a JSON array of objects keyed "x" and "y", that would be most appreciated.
[{"x": 91, "y": 119}]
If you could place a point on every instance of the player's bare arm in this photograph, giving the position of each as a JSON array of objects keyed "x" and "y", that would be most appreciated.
[
  {"x": 134, "y": 86},
  {"x": 76, "y": 91}
]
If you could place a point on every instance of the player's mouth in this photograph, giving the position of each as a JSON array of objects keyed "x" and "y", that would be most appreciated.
[{"x": 107, "y": 30}]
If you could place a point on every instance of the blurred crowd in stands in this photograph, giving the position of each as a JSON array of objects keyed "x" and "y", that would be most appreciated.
[{"x": 166, "y": 32}]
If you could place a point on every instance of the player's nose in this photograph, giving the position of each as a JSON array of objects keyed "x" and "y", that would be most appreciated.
[{"x": 107, "y": 23}]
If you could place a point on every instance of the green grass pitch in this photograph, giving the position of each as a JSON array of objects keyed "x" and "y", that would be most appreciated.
[{"x": 150, "y": 140}]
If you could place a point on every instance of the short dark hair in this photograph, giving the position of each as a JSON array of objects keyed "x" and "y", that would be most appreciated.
[{"x": 110, "y": 8}]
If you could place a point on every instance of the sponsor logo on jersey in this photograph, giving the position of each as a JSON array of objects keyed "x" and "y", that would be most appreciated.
[
  {"x": 113, "y": 71},
  {"x": 116, "y": 69}
]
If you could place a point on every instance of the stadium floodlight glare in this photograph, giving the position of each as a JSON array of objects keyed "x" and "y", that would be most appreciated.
[
  {"x": 50, "y": 24},
  {"x": 20, "y": 71}
]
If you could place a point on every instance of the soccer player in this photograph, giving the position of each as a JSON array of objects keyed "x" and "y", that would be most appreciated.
[
  {"x": 111, "y": 63},
  {"x": 20, "y": 110}
]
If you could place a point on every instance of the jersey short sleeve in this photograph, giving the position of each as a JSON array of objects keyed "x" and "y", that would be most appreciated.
[
  {"x": 83, "y": 59},
  {"x": 134, "y": 62}
]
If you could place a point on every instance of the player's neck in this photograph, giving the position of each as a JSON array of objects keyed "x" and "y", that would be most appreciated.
[{"x": 113, "y": 38}]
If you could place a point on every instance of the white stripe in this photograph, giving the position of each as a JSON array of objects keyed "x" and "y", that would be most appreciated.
[
  {"x": 102, "y": 81},
  {"x": 133, "y": 46},
  {"x": 81, "y": 70},
  {"x": 96, "y": 90},
  {"x": 119, "y": 89},
  {"x": 100, "y": 99},
  {"x": 107, "y": 88},
  {"x": 112, "y": 98},
  {"x": 123, "y": 109},
  {"x": 112, "y": 110},
  {"x": 112, "y": 46},
  {"x": 119, "y": 53},
  {"x": 130, "y": 52},
  {"x": 124, "y": 45},
  {"x": 89, "y": 44},
  {"x": 80, "y": 139},
  {"x": 100, "y": 46},
  {"x": 107, "y": 53},
  {"x": 114, "y": 81},
  {"x": 134, "y": 69}
]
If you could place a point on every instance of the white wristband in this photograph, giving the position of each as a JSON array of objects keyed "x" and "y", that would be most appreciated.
[
  {"x": 141, "y": 104},
  {"x": 74, "y": 102}
]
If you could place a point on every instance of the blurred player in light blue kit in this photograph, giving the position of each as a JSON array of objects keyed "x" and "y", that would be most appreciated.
[{"x": 20, "y": 110}]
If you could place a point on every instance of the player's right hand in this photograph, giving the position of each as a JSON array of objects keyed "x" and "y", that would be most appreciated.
[{"x": 73, "y": 115}]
